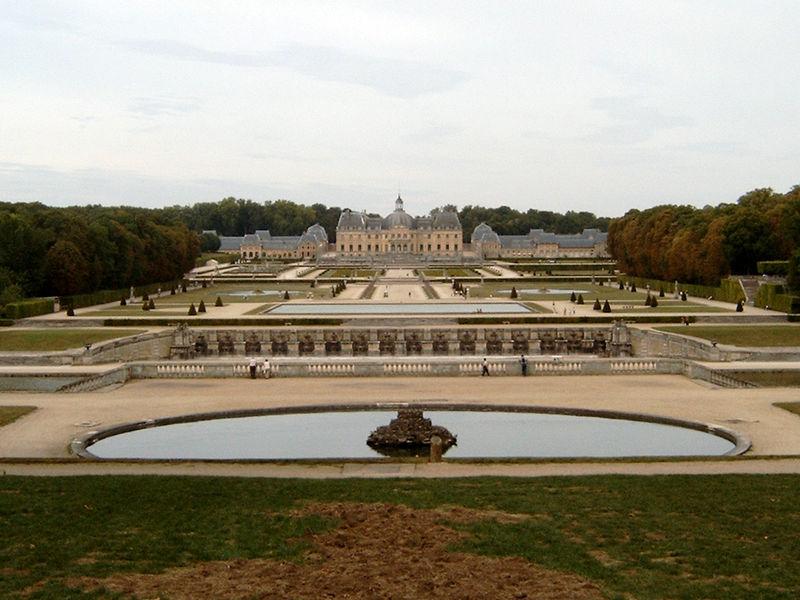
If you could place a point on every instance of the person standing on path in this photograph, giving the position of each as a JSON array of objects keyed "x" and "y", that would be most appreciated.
[
  {"x": 267, "y": 368},
  {"x": 523, "y": 365},
  {"x": 484, "y": 367},
  {"x": 252, "y": 368}
]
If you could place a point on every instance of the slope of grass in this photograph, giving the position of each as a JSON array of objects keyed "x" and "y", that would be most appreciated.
[
  {"x": 55, "y": 339},
  {"x": 645, "y": 537},
  {"x": 742, "y": 335},
  {"x": 9, "y": 414}
]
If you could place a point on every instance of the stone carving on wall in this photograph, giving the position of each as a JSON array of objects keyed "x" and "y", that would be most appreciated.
[
  {"x": 440, "y": 344},
  {"x": 360, "y": 342},
  {"x": 413, "y": 342},
  {"x": 333, "y": 345},
  {"x": 574, "y": 338},
  {"x": 519, "y": 342},
  {"x": 252, "y": 344},
  {"x": 201, "y": 345},
  {"x": 547, "y": 342},
  {"x": 280, "y": 343},
  {"x": 466, "y": 342},
  {"x": 386, "y": 341},
  {"x": 494, "y": 342},
  {"x": 225, "y": 344},
  {"x": 305, "y": 345}
]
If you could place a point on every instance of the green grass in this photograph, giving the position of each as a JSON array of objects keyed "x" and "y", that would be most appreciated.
[
  {"x": 345, "y": 273},
  {"x": 449, "y": 272},
  {"x": 732, "y": 537},
  {"x": 770, "y": 379},
  {"x": 792, "y": 407},
  {"x": 742, "y": 335},
  {"x": 55, "y": 339},
  {"x": 9, "y": 414}
]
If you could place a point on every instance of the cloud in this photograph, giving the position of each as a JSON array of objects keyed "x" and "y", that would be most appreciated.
[
  {"x": 392, "y": 77},
  {"x": 632, "y": 121},
  {"x": 154, "y": 106}
]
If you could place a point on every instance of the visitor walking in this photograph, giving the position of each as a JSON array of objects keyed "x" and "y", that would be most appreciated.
[
  {"x": 252, "y": 368},
  {"x": 523, "y": 365},
  {"x": 267, "y": 368},
  {"x": 484, "y": 367}
]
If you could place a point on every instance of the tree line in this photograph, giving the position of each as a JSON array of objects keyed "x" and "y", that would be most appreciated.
[
  {"x": 704, "y": 245},
  {"x": 233, "y": 216},
  {"x": 48, "y": 251}
]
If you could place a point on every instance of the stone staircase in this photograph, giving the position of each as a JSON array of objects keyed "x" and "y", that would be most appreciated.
[{"x": 750, "y": 287}]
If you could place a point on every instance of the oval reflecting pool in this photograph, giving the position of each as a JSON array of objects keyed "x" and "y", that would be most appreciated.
[{"x": 343, "y": 435}]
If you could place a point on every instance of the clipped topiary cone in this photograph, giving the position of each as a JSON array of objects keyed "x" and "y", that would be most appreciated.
[
  {"x": 122, "y": 302},
  {"x": 151, "y": 305},
  {"x": 286, "y": 295},
  {"x": 653, "y": 302},
  {"x": 648, "y": 301},
  {"x": 572, "y": 297},
  {"x": 621, "y": 285},
  {"x": 218, "y": 301},
  {"x": 661, "y": 292},
  {"x": 513, "y": 292},
  {"x": 70, "y": 311},
  {"x": 580, "y": 299},
  {"x": 201, "y": 307},
  {"x": 192, "y": 309},
  {"x": 606, "y": 307},
  {"x": 596, "y": 305},
  {"x": 145, "y": 306}
]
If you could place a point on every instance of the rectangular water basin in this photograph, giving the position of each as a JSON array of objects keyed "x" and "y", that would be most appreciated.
[{"x": 416, "y": 308}]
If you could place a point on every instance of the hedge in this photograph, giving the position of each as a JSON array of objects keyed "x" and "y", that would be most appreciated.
[
  {"x": 775, "y": 297},
  {"x": 729, "y": 290},
  {"x": 773, "y": 267},
  {"x": 105, "y": 296},
  {"x": 28, "y": 308},
  {"x": 556, "y": 267}
]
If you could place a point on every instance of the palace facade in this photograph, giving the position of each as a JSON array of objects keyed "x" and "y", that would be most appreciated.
[
  {"x": 590, "y": 243},
  {"x": 261, "y": 244},
  {"x": 399, "y": 234}
]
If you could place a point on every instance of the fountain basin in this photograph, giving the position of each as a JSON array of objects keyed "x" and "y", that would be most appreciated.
[{"x": 339, "y": 433}]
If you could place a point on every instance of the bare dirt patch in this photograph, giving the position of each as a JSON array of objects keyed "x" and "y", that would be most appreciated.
[{"x": 377, "y": 551}]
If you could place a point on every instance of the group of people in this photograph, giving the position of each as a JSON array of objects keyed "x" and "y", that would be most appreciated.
[
  {"x": 523, "y": 366},
  {"x": 266, "y": 368}
]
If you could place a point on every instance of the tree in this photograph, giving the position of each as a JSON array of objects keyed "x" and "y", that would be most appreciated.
[
  {"x": 209, "y": 242},
  {"x": 66, "y": 269}
]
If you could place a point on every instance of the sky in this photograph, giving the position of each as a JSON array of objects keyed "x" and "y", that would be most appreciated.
[{"x": 553, "y": 105}]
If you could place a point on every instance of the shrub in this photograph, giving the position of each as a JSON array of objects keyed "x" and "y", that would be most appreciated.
[
  {"x": 28, "y": 308},
  {"x": 600, "y": 283},
  {"x": 739, "y": 306},
  {"x": 145, "y": 297},
  {"x": 513, "y": 292},
  {"x": 580, "y": 299},
  {"x": 218, "y": 301},
  {"x": 772, "y": 267},
  {"x": 70, "y": 311},
  {"x": 621, "y": 285},
  {"x": 201, "y": 307},
  {"x": 776, "y": 298},
  {"x": 660, "y": 292},
  {"x": 596, "y": 305},
  {"x": 653, "y": 302},
  {"x": 123, "y": 302},
  {"x": 192, "y": 310},
  {"x": 633, "y": 286},
  {"x": 683, "y": 296},
  {"x": 151, "y": 305},
  {"x": 183, "y": 287},
  {"x": 145, "y": 306},
  {"x": 606, "y": 307},
  {"x": 286, "y": 295},
  {"x": 648, "y": 301},
  {"x": 572, "y": 297}
]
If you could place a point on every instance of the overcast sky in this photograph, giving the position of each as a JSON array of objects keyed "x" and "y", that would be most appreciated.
[{"x": 599, "y": 106}]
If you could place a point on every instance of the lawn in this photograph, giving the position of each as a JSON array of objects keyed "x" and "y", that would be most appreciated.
[
  {"x": 732, "y": 537},
  {"x": 9, "y": 414},
  {"x": 345, "y": 273},
  {"x": 742, "y": 335},
  {"x": 55, "y": 339},
  {"x": 793, "y": 407},
  {"x": 449, "y": 272}
]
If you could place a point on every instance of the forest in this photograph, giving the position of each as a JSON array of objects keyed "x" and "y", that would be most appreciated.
[
  {"x": 47, "y": 251},
  {"x": 233, "y": 216},
  {"x": 703, "y": 245}
]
